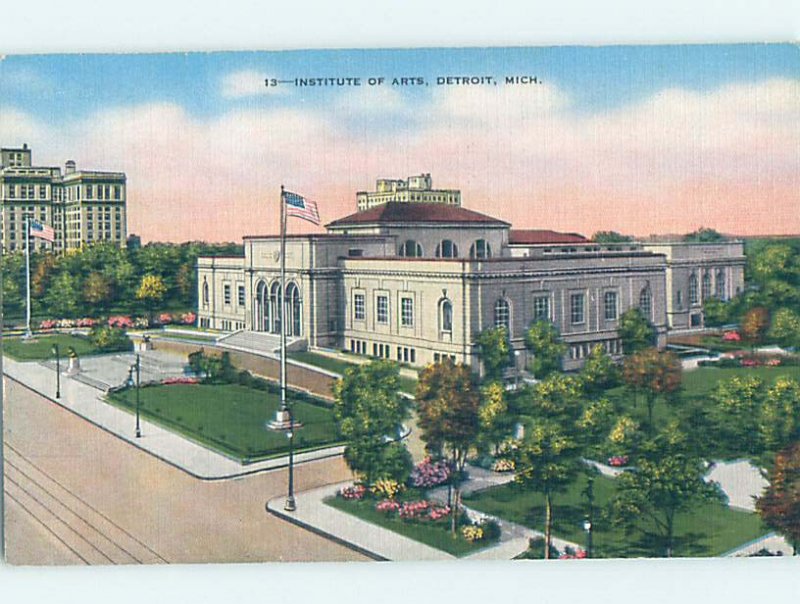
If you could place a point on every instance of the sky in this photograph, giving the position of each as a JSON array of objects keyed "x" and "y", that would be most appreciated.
[{"x": 641, "y": 140}]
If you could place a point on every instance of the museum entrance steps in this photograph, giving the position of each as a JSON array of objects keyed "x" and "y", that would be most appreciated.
[{"x": 261, "y": 342}]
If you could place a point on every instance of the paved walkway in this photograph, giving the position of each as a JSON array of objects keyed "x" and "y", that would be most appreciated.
[
  {"x": 84, "y": 395},
  {"x": 383, "y": 544},
  {"x": 740, "y": 480}
]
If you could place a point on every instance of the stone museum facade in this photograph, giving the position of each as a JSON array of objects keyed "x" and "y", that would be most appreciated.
[
  {"x": 82, "y": 206},
  {"x": 416, "y": 282}
]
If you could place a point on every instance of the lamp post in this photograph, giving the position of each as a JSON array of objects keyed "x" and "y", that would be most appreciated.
[
  {"x": 587, "y": 523},
  {"x": 58, "y": 370},
  {"x": 290, "y": 505},
  {"x": 137, "y": 368}
]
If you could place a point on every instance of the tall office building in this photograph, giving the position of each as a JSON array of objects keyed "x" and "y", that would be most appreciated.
[{"x": 82, "y": 206}]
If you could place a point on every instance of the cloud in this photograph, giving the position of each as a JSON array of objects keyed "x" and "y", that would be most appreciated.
[
  {"x": 727, "y": 158},
  {"x": 247, "y": 83}
]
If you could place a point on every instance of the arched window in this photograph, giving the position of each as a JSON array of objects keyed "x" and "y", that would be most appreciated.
[
  {"x": 294, "y": 310},
  {"x": 446, "y": 315},
  {"x": 410, "y": 249},
  {"x": 706, "y": 285},
  {"x": 480, "y": 249},
  {"x": 646, "y": 302},
  {"x": 261, "y": 308},
  {"x": 721, "y": 284},
  {"x": 447, "y": 249},
  {"x": 274, "y": 308},
  {"x": 693, "y": 292},
  {"x": 205, "y": 292},
  {"x": 502, "y": 315}
]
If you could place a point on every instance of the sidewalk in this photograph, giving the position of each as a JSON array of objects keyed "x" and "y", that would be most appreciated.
[
  {"x": 383, "y": 544},
  {"x": 83, "y": 395}
]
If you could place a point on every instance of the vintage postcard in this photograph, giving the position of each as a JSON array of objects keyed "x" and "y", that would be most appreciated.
[{"x": 401, "y": 305}]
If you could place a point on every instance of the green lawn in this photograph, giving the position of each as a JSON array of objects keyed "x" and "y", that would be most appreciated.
[
  {"x": 709, "y": 530},
  {"x": 435, "y": 534},
  {"x": 40, "y": 347},
  {"x": 231, "y": 418},
  {"x": 407, "y": 384}
]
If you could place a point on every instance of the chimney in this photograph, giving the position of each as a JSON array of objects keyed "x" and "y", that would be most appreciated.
[
  {"x": 69, "y": 167},
  {"x": 24, "y": 146}
]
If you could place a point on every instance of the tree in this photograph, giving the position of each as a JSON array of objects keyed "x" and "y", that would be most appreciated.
[
  {"x": 779, "y": 417},
  {"x": 63, "y": 295},
  {"x": 666, "y": 483},
  {"x": 544, "y": 341},
  {"x": 635, "y": 331},
  {"x": 785, "y": 328},
  {"x": 704, "y": 235},
  {"x": 599, "y": 372},
  {"x": 779, "y": 506},
  {"x": 495, "y": 351},
  {"x": 370, "y": 411},
  {"x": 716, "y": 312},
  {"x": 448, "y": 406},
  {"x": 611, "y": 237},
  {"x": 736, "y": 405},
  {"x": 97, "y": 290},
  {"x": 754, "y": 325},
  {"x": 547, "y": 462},
  {"x": 657, "y": 373},
  {"x": 495, "y": 420},
  {"x": 151, "y": 291},
  {"x": 559, "y": 397}
]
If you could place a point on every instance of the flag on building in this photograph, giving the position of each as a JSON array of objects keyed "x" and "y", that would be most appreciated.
[
  {"x": 42, "y": 231},
  {"x": 301, "y": 207}
]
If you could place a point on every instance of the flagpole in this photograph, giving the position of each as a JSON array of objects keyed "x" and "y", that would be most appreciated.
[
  {"x": 28, "y": 333},
  {"x": 282, "y": 301}
]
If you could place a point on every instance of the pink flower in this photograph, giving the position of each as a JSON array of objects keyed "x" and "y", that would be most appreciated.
[
  {"x": 731, "y": 336},
  {"x": 189, "y": 318},
  {"x": 165, "y": 318}
]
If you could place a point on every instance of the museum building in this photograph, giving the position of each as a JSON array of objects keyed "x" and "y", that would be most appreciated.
[{"x": 417, "y": 282}]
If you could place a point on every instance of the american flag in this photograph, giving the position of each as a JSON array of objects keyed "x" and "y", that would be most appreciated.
[
  {"x": 299, "y": 206},
  {"x": 42, "y": 231}
]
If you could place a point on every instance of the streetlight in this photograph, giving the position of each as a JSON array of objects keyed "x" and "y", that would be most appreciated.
[
  {"x": 290, "y": 505},
  {"x": 587, "y": 526},
  {"x": 58, "y": 370},
  {"x": 137, "y": 368},
  {"x": 587, "y": 522}
]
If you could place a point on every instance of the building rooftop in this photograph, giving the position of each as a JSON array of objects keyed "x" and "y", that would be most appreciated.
[
  {"x": 542, "y": 237},
  {"x": 404, "y": 213}
]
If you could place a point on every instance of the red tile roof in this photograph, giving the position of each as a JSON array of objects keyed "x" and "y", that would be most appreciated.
[
  {"x": 542, "y": 237},
  {"x": 404, "y": 212}
]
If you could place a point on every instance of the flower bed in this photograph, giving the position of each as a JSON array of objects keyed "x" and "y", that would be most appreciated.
[
  {"x": 618, "y": 461},
  {"x": 429, "y": 473},
  {"x": 503, "y": 465},
  {"x": 180, "y": 380}
]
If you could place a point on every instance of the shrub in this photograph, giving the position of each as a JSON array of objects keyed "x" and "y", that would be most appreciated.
[
  {"x": 491, "y": 529},
  {"x": 395, "y": 463},
  {"x": 472, "y": 533},
  {"x": 109, "y": 339},
  {"x": 503, "y": 465},
  {"x": 386, "y": 488}
]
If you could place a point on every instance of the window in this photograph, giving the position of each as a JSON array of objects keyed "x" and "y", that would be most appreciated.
[
  {"x": 501, "y": 314},
  {"x": 410, "y": 249},
  {"x": 646, "y": 302},
  {"x": 407, "y": 312},
  {"x": 679, "y": 299},
  {"x": 382, "y": 309},
  {"x": 241, "y": 295},
  {"x": 610, "y": 306},
  {"x": 577, "y": 304},
  {"x": 359, "y": 307},
  {"x": 226, "y": 293},
  {"x": 541, "y": 308},
  {"x": 693, "y": 297},
  {"x": 447, "y": 249},
  {"x": 446, "y": 315},
  {"x": 117, "y": 192},
  {"x": 720, "y": 284},
  {"x": 706, "y": 285},
  {"x": 205, "y": 293},
  {"x": 90, "y": 192},
  {"x": 480, "y": 249}
]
